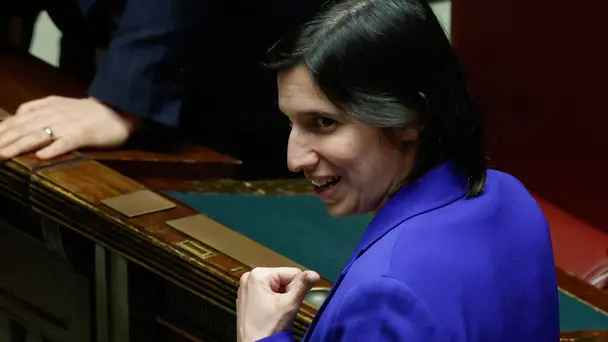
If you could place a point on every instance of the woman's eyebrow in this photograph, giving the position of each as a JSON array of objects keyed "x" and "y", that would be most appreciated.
[{"x": 317, "y": 113}]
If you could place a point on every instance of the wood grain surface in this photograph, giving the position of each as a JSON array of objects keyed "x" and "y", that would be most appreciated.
[{"x": 70, "y": 190}]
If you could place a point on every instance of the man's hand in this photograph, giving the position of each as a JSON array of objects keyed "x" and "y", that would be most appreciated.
[{"x": 56, "y": 125}]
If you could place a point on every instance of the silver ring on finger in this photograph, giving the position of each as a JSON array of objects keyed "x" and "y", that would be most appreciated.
[{"x": 49, "y": 133}]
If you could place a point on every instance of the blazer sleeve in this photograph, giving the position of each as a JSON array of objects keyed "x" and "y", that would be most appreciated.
[
  {"x": 382, "y": 309},
  {"x": 142, "y": 72},
  {"x": 283, "y": 336}
]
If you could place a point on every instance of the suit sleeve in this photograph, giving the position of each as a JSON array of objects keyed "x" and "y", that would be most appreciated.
[
  {"x": 283, "y": 336},
  {"x": 382, "y": 309},
  {"x": 141, "y": 73}
]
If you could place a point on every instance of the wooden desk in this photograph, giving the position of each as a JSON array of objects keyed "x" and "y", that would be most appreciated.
[
  {"x": 77, "y": 270},
  {"x": 115, "y": 259}
]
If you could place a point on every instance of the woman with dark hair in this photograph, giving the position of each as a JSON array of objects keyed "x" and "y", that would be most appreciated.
[{"x": 382, "y": 122}]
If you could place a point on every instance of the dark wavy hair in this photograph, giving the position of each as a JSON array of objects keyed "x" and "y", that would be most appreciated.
[{"x": 388, "y": 63}]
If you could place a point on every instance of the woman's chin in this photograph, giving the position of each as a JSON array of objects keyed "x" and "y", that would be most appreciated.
[{"x": 340, "y": 209}]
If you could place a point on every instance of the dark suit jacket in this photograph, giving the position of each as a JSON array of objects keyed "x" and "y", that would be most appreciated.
[{"x": 197, "y": 63}]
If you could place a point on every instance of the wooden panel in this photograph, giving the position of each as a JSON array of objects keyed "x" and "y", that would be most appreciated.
[
  {"x": 230, "y": 242},
  {"x": 578, "y": 246},
  {"x": 71, "y": 194},
  {"x": 50, "y": 296},
  {"x": 583, "y": 291},
  {"x": 69, "y": 190},
  {"x": 538, "y": 70}
]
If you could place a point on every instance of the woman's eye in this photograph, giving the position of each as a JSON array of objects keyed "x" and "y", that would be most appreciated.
[{"x": 325, "y": 122}]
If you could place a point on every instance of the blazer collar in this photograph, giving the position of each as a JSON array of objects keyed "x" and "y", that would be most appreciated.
[{"x": 438, "y": 187}]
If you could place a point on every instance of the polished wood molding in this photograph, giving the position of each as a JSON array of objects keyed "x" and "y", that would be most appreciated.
[{"x": 70, "y": 190}]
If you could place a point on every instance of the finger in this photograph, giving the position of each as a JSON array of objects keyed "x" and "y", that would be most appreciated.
[
  {"x": 6, "y": 125},
  {"x": 18, "y": 128},
  {"x": 25, "y": 144},
  {"x": 240, "y": 295},
  {"x": 31, "y": 106},
  {"x": 9, "y": 135},
  {"x": 34, "y": 120},
  {"x": 280, "y": 277},
  {"x": 285, "y": 275},
  {"x": 242, "y": 283},
  {"x": 244, "y": 278},
  {"x": 57, "y": 148},
  {"x": 302, "y": 284}
]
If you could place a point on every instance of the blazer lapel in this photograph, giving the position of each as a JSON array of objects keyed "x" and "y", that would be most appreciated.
[
  {"x": 437, "y": 188},
  {"x": 315, "y": 320}
]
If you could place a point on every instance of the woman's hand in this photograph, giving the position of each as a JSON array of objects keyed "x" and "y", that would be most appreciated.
[
  {"x": 56, "y": 125},
  {"x": 269, "y": 299}
]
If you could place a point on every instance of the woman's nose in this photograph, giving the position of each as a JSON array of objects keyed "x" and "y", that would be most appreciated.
[{"x": 300, "y": 154}]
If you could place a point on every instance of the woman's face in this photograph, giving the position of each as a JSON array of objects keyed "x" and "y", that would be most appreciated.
[{"x": 352, "y": 165}]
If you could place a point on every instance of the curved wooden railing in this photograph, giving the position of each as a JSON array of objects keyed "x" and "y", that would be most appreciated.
[{"x": 72, "y": 189}]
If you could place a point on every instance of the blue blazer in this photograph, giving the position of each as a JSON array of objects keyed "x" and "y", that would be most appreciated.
[{"x": 434, "y": 266}]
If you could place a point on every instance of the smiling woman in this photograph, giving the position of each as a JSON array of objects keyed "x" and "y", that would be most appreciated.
[
  {"x": 389, "y": 67},
  {"x": 382, "y": 122},
  {"x": 392, "y": 69},
  {"x": 353, "y": 165}
]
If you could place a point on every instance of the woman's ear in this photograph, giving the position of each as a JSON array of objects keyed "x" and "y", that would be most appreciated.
[
  {"x": 408, "y": 133},
  {"x": 402, "y": 136}
]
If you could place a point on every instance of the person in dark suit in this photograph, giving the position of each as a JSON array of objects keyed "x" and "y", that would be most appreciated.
[
  {"x": 79, "y": 38},
  {"x": 382, "y": 122},
  {"x": 193, "y": 64}
]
